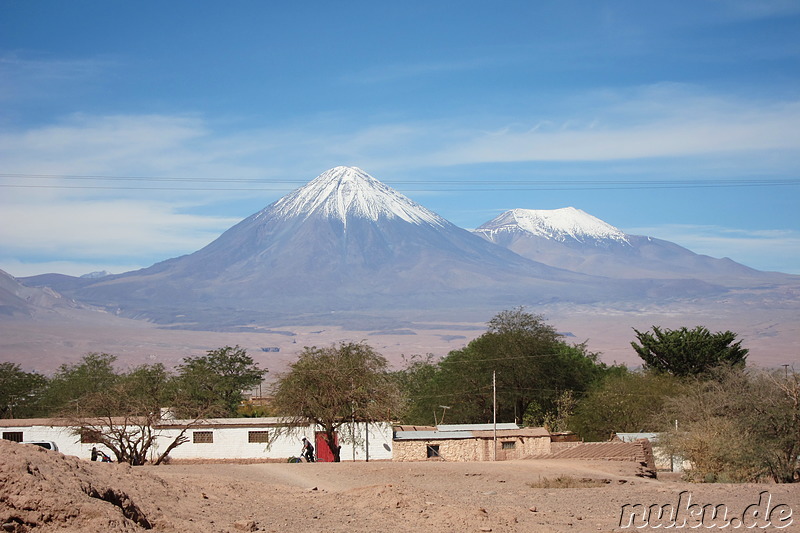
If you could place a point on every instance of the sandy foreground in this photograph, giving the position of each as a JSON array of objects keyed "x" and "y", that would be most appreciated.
[{"x": 47, "y": 491}]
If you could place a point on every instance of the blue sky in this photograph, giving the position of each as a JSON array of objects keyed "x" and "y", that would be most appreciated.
[{"x": 131, "y": 132}]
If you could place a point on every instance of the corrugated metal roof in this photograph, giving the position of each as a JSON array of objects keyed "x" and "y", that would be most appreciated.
[
  {"x": 415, "y": 428},
  {"x": 224, "y": 422},
  {"x": 476, "y": 427},
  {"x": 163, "y": 423},
  {"x": 432, "y": 435},
  {"x": 481, "y": 434},
  {"x": 506, "y": 433},
  {"x": 630, "y": 437},
  {"x": 600, "y": 450}
]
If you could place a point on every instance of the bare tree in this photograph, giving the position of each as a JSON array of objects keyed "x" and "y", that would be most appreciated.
[
  {"x": 739, "y": 426},
  {"x": 125, "y": 417},
  {"x": 332, "y": 386}
]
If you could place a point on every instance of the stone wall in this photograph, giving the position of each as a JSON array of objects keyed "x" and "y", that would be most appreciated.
[{"x": 471, "y": 449}]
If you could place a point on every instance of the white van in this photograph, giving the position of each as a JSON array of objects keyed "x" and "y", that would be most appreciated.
[{"x": 46, "y": 444}]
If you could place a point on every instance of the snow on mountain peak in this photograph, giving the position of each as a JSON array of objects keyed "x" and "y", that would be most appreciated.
[
  {"x": 343, "y": 192},
  {"x": 556, "y": 224}
]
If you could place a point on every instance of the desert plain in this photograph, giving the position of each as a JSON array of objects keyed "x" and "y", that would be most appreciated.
[{"x": 47, "y": 491}]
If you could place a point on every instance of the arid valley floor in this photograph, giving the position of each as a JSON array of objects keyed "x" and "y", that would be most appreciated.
[{"x": 47, "y": 491}]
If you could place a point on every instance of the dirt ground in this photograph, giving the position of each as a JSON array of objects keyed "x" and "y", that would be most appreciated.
[{"x": 47, "y": 491}]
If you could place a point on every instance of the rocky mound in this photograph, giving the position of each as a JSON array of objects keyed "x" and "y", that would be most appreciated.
[{"x": 43, "y": 490}]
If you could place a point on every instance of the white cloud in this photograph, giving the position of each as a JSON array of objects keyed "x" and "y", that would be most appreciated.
[
  {"x": 104, "y": 229},
  {"x": 23, "y": 77},
  {"x": 84, "y": 144},
  {"x": 658, "y": 122},
  {"x": 115, "y": 226}
]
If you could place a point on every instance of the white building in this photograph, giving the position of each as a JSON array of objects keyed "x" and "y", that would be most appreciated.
[{"x": 218, "y": 438}]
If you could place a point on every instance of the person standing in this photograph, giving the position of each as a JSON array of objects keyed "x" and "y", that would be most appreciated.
[{"x": 308, "y": 450}]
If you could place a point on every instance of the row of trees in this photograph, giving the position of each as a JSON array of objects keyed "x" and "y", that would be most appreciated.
[
  {"x": 735, "y": 423},
  {"x": 119, "y": 409}
]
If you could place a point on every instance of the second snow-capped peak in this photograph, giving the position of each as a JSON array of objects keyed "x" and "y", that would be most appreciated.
[
  {"x": 556, "y": 224},
  {"x": 342, "y": 192}
]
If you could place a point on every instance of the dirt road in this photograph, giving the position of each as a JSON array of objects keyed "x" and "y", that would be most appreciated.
[{"x": 46, "y": 491}]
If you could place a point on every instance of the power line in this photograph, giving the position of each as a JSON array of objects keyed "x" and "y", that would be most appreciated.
[{"x": 458, "y": 185}]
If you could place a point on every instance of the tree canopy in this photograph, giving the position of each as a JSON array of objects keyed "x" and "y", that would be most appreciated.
[
  {"x": 121, "y": 410},
  {"x": 72, "y": 383},
  {"x": 218, "y": 378},
  {"x": 533, "y": 365},
  {"x": 623, "y": 401},
  {"x": 336, "y": 385},
  {"x": 685, "y": 352},
  {"x": 123, "y": 415},
  {"x": 20, "y": 391}
]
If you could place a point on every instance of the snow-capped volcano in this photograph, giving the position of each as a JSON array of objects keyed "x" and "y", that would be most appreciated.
[
  {"x": 556, "y": 224},
  {"x": 574, "y": 240},
  {"x": 343, "y": 241},
  {"x": 343, "y": 192}
]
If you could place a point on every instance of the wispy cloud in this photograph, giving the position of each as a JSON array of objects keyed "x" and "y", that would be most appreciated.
[
  {"x": 91, "y": 144},
  {"x": 23, "y": 77},
  {"x": 777, "y": 249},
  {"x": 654, "y": 124},
  {"x": 121, "y": 229}
]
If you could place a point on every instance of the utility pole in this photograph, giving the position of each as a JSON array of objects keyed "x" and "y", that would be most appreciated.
[
  {"x": 444, "y": 410},
  {"x": 494, "y": 413}
]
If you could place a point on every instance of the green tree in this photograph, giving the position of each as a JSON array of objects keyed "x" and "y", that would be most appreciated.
[
  {"x": 533, "y": 368},
  {"x": 71, "y": 383},
  {"x": 685, "y": 352},
  {"x": 219, "y": 378},
  {"x": 20, "y": 391},
  {"x": 414, "y": 381},
  {"x": 623, "y": 401},
  {"x": 336, "y": 385}
]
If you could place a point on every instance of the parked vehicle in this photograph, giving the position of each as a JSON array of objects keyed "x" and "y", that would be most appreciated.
[{"x": 46, "y": 444}]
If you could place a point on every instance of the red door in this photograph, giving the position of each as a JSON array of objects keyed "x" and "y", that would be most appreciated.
[{"x": 324, "y": 453}]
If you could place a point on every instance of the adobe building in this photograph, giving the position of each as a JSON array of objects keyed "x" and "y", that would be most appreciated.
[{"x": 470, "y": 442}]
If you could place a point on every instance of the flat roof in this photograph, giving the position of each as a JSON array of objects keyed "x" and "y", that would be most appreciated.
[
  {"x": 476, "y": 434},
  {"x": 476, "y": 427}
]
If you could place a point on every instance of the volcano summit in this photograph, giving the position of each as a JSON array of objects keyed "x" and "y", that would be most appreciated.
[
  {"x": 343, "y": 242},
  {"x": 347, "y": 243}
]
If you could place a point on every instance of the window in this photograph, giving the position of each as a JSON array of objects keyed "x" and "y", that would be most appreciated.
[
  {"x": 203, "y": 437},
  {"x": 13, "y": 436},
  {"x": 509, "y": 444},
  {"x": 258, "y": 436},
  {"x": 433, "y": 450}
]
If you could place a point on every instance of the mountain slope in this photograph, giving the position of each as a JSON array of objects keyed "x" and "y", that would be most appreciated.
[
  {"x": 345, "y": 241},
  {"x": 571, "y": 239},
  {"x": 18, "y": 299}
]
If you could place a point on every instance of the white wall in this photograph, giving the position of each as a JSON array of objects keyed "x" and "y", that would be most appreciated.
[
  {"x": 230, "y": 440},
  {"x": 67, "y": 442}
]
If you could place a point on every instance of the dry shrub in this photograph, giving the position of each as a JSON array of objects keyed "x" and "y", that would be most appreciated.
[{"x": 568, "y": 482}]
